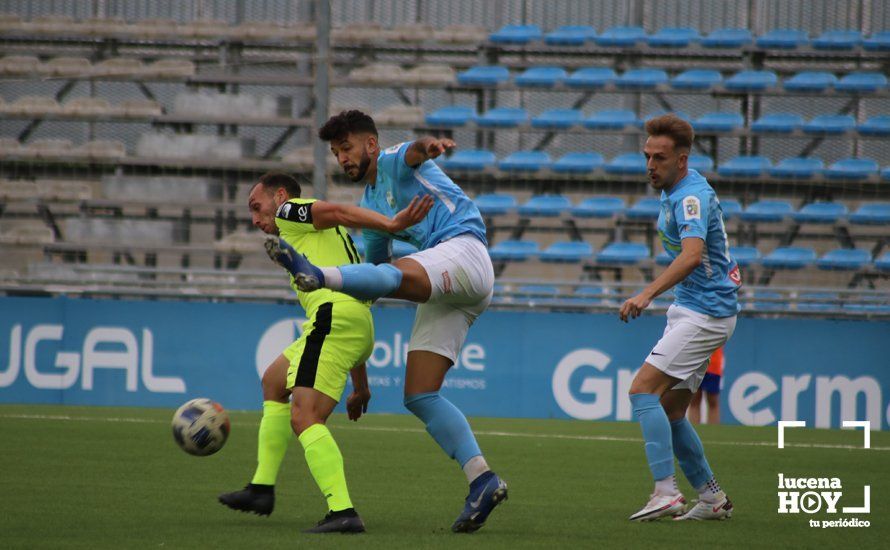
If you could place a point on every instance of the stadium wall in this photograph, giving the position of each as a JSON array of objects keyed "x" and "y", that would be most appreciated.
[{"x": 515, "y": 364}]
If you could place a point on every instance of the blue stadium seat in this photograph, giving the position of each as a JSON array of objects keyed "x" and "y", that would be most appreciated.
[
  {"x": 484, "y": 76},
  {"x": 627, "y": 163},
  {"x": 751, "y": 81},
  {"x": 818, "y": 301},
  {"x": 503, "y": 117},
  {"x": 745, "y": 255},
  {"x": 797, "y": 168},
  {"x": 697, "y": 79},
  {"x": 783, "y": 39},
  {"x": 516, "y": 34},
  {"x": 727, "y": 38},
  {"x": 591, "y": 77},
  {"x": 744, "y": 167},
  {"x": 718, "y": 122},
  {"x": 525, "y": 161},
  {"x": 556, "y": 119},
  {"x": 876, "y": 126},
  {"x": 830, "y": 124},
  {"x": 642, "y": 79},
  {"x": 623, "y": 254},
  {"x": 872, "y": 213},
  {"x": 611, "y": 119},
  {"x": 451, "y": 116},
  {"x": 767, "y": 211},
  {"x": 731, "y": 208},
  {"x": 621, "y": 37},
  {"x": 470, "y": 160},
  {"x": 495, "y": 204},
  {"x": 663, "y": 258},
  {"x": 810, "y": 81},
  {"x": 767, "y": 300},
  {"x": 877, "y": 42},
  {"x": 863, "y": 82},
  {"x": 837, "y": 40},
  {"x": 844, "y": 259},
  {"x": 542, "y": 77},
  {"x": 673, "y": 37},
  {"x": 546, "y": 206},
  {"x": 820, "y": 212},
  {"x": 647, "y": 208},
  {"x": 778, "y": 123},
  {"x": 599, "y": 207},
  {"x": 513, "y": 251},
  {"x": 401, "y": 248},
  {"x": 537, "y": 291},
  {"x": 591, "y": 295},
  {"x": 860, "y": 307},
  {"x": 885, "y": 174},
  {"x": 852, "y": 169},
  {"x": 789, "y": 257},
  {"x": 701, "y": 163},
  {"x": 659, "y": 112},
  {"x": 883, "y": 263},
  {"x": 570, "y": 35},
  {"x": 567, "y": 252},
  {"x": 578, "y": 163}
]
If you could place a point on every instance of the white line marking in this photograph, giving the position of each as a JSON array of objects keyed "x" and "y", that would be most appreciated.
[{"x": 788, "y": 424}]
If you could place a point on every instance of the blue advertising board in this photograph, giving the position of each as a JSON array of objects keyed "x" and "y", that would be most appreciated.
[{"x": 514, "y": 364}]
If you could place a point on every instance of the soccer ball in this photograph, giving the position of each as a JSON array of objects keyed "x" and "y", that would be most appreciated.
[{"x": 201, "y": 427}]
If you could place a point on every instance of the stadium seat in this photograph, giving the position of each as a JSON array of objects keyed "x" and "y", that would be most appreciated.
[
  {"x": 844, "y": 259},
  {"x": 768, "y": 300},
  {"x": 647, "y": 208},
  {"x": 513, "y": 251},
  {"x": 744, "y": 255},
  {"x": 451, "y": 116},
  {"x": 817, "y": 301},
  {"x": 830, "y": 124},
  {"x": 547, "y": 206},
  {"x": 718, "y": 122},
  {"x": 730, "y": 207},
  {"x": 525, "y": 161},
  {"x": 484, "y": 76},
  {"x": 516, "y": 34},
  {"x": 876, "y": 126},
  {"x": 863, "y": 82},
  {"x": 612, "y": 120},
  {"x": 727, "y": 38},
  {"x": 701, "y": 163},
  {"x": 885, "y": 174},
  {"x": 591, "y": 77},
  {"x": 767, "y": 211},
  {"x": 577, "y": 163},
  {"x": 567, "y": 252},
  {"x": 536, "y": 291},
  {"x": 852, "y": 169},
  {"x": 621, "y": 37},
  {"x": 837, "y": 40},
  {"x": 783, "y": 39},
  {"x": 503, "y": 117},
  {"x": 570, "y": 35},
  {"x": 751, "y": 81},
  {"x": 471, "y": 160},
  {"x": 820, "y": 212},
  {"x": 495, "y": 204},
  {"x": 883, "y": 263},
  {"x": 556, "y": 119},
  {"x": 810, "y": 81},
  {"x": 663, "y": 258},
  {"x": 627, "y": 164},
  {"x": 877, "y": 42},
  {"x": 673, "y": 37},
  {"x": 642, "y": 79},
  {"x": 599, "y": 207},
  {"x": 789, "y": 257},
  {"x": 778, "y": 123},
  {"x": 623, "y": 254},
  {"x": 797, "y": 168},
  {"x": 697, "y": 79},
  {"x": 543, "y": 77},
  {"x": 744, "y": 167},
  {"x": 865, "y": 307},
  {"x": 872, "y": 213},
  {"x": 660, "y": 112}
]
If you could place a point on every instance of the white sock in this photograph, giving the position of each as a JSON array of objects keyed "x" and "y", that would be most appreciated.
[
  {"x": 475, "y": 467},
  {"x": 709, "y": 490},
  {"x": 333, "y": 279},
  {"x": 667, "y": 486}
]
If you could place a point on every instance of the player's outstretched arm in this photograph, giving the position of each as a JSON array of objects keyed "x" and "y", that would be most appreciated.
[
  {"x": 329, "y": 214},
  {"x": 426, "y": 148},
  {"x": 684, "y": 264},
  {"x": 357, "y": 402}
]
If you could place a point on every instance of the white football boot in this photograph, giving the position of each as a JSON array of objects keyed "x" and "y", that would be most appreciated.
[
  {"x": 660, "y": 506},
  {"x": 720, "y": 507}
]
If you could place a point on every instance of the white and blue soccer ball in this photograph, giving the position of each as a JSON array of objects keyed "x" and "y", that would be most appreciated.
[{"x": 201, "y": 427}]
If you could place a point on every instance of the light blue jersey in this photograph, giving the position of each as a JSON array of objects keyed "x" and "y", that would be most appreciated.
[
  {"x": 691, "y": 209},
  {"x": 453, "y": 213}
]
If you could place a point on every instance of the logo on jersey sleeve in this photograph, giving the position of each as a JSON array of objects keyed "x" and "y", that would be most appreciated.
[
  {"x": 296, "y": 212},
  {"x": 691, "y": 208},
  {"x": 394, "y": 149}
]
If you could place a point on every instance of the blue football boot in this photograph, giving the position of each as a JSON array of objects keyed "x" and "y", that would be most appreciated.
[{"x": 486, "y": 492}]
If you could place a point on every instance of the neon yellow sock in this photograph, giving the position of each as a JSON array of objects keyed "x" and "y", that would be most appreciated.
[
  {"x": 273, "y": 440},
  {"x": 326, "y": 464}
]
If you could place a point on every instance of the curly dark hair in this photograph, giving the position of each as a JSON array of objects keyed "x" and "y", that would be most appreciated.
[{"x": 347, "y": 122}]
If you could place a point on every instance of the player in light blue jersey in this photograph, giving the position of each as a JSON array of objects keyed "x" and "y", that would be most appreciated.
[
  {"x": 701, "y": 319},
  {"x": 451, "y": 278}
]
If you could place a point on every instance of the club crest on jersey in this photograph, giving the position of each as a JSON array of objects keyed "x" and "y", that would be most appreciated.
[
  {"x": 284, "y": 210},
  {"x": 390, "y": 200},
  {"x": 691, "y": 208}
]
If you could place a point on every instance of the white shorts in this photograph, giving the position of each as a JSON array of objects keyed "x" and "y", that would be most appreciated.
[
  {"x": 689, "y": 340},
  {"x": 462, "y": 280}
]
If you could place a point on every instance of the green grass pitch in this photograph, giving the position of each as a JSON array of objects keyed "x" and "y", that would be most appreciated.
[{"x": 85, "y": 477}]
